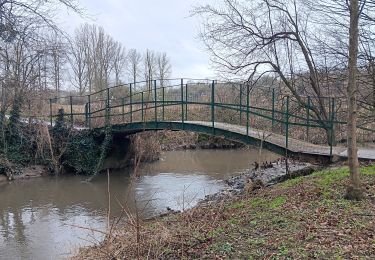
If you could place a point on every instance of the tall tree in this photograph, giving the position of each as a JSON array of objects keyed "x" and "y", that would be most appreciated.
[
  {"x": 354, "y": 191},
  {"x": 163, "y": 67},
  {"x": 134, "y": 63}
]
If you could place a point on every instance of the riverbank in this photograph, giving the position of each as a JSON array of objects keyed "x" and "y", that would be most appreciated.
[{"x": 304, "y": 217}]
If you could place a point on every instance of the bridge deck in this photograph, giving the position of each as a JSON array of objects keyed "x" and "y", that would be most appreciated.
[{"x": 294, "y": 145}]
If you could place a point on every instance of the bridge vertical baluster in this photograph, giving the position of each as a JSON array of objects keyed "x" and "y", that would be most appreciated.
[
  {"x": 213, "y": 106},
  {"x": 155, "y": 102},
  {"x": 71, "y": 110},
  {"x": 332, "y": 133},
  {"x": 163, "y": 100},
  {"x": 142, "y": 106},
  {"x": 308, "y": 117},
  {"x": 123, "y": 109},
  {"x": 287, "y": 127},
  {"x": 131, "y": 103},
  {"x": 29, "y": 105},
  {"x": 108, "y": 112},
  {"x": 240, "y": 104},
  {"x": 182, "y": 101},
  {"x": 89, "y": 111},
  {"x": 50, "y": 111},
  {"x": 247, "y": 108},
  {"x": 186, "y": 99},
  {"x": 273, "y": 109}
]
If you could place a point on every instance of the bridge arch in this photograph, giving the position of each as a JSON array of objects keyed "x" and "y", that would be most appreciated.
[{"x": 198, "y": 127}]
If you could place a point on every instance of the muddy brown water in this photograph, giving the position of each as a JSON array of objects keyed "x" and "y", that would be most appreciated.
[{"x": 46, "y": 218}]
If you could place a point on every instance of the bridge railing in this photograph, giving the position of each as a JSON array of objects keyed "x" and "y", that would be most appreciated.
[{"x": 310, "y": 119}]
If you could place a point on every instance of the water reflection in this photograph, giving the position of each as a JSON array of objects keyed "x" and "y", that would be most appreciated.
[{"x": 39, "y": 217}]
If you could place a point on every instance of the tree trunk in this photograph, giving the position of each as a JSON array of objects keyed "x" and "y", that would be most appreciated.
[{"x": 354, "y": 190}]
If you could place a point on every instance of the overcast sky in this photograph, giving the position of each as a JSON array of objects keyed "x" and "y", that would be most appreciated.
[{"x": 162, "y": 25}]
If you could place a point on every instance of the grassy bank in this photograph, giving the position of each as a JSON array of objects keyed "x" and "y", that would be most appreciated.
[{"x": 305, "y": 217}]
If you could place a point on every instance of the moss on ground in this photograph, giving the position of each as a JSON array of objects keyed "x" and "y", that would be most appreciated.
[{"x": 302, "y": 218}]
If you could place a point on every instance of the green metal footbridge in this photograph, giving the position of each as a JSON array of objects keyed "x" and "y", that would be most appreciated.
[{"x": 259, "y": 116}]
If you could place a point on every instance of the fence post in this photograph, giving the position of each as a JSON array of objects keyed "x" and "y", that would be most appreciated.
[
  {"x": 71, "y": 110},
  {"x": 273, "y": 109},
  {"x": 308, "y": 117},
  {"x": 247, "y": 108},
  {"x": 186, "y": 104},
  {"x": 155, "y": 102},
  {"x": 131, "y": 103},
  {"x": 332, "y": 133},
  {"x": 213, "y": 106},
  {"x": 50, "y": 111},
  {"x": 287, "y": 127},
  {"x": 182, "y": 101},
  {"x": 240, "y": 104},
  {"x": 142, "y": 107},
  {"x": 163, "y": 99}
]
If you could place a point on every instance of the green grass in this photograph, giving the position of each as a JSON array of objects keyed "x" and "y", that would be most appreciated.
[{"x": 303, "y": 218}]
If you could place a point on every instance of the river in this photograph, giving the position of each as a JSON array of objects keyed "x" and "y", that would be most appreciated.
[{"x": 49, "y": 217}]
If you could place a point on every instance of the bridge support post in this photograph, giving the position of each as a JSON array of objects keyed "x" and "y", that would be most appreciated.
[
  {"x": 240, "y": 104},
  {"x": 89, "y": 111},
  {"x": 308, "y": 118},
  {"x": 123, "y": 109},
  {"x": 332, "y": 129},
  {"x": 247, "y": 108},
  {"x": 131, "y": 103},
  {"x": 273, "y": 109},
  {"x": 186, "y": 103},
  {"x": 163, "y": 100},
  {"x": 213, "y": 106},
  {"x": 287, "y": 127},
  {"x": 142, "y": 106},
  {"x": 108, "y": 111},
  {"x": 182, "y": 102},
  {"x": 155, "y": 102},
  {"x": 50, "y": 111},
  {"x": 71, "y": 110}
]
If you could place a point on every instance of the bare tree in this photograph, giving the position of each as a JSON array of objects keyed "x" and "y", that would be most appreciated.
[
  {"x": 78, "y": 63},
  {"x": 249, "y": 38},
  {"x": 149, "y": 70},
  {"x": 163, "y": 67},
  {"x": 15, "y": 15},
  {"x": 134, "y": 63},
  {"x": 119, "y": 62},
  {"x": 354, "y": 191}
]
